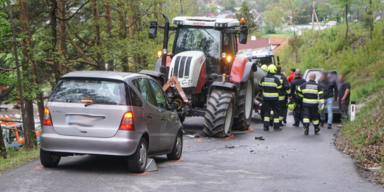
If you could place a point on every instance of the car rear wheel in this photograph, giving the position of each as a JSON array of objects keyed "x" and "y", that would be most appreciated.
[
  {"x": 177, "y": 148},
  {"x": 49, "y": 159},
  {"x": 138, "y": 161}
]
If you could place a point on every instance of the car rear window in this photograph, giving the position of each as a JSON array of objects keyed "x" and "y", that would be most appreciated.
[{"x": 97, "y": 91}]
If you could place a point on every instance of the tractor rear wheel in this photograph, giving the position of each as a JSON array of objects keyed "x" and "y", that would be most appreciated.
[
  {"x": 219, "y": 113},
  {"x": 245, "y": 105}
]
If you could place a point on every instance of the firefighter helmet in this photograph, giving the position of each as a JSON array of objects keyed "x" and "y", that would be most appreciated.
[
  {"x": 264, "y": 67},
  {"x": 291, "y": 106},
  {"x": 272, "y": 68}
]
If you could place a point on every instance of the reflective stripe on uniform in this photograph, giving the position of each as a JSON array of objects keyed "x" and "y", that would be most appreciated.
[
  {"x": 281, "y": 98},
  {"x": 321, "y": 92},
  {"x": 306, "y": 120},
  {"x": 288, "y": 91},
  {"x": 268, "y": 84},
  {"x": 279, "y": 87},
  {"x": 280, "y": 118},
  {"x": 266, "y": 119},
  {"x": 314, "y": 91},
  {"x": 310, "y": 101},
  {"x": 315, "y": 122},
  {"x": 271, "y": 95},
  {"x": 276, "y": 120}
]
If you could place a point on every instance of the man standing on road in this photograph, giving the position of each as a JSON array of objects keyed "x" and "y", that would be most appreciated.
[
  {"x": 291, "y": 76},
  {"x": 285, "y": 91},
  {"x": 298, "y": 112},
  {"x": 330, "y": 90},
  {"x": 312, "y": 96},
  {"x": 344, "y": 93},
  {"x": 271, "y": 86}
]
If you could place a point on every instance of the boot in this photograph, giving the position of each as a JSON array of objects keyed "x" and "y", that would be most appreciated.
[
  {"x": 329, "y": 126},
  {"x": 317, "y": 129},
  {"x": 306, "y": 130},
  {"x": 281, "y": 123},
  {"x": 277, "y": 128},
  {"x": 266, "y": 128},
  {"x": 271, "y": 123},
  {"x": 321, "y": 123}
]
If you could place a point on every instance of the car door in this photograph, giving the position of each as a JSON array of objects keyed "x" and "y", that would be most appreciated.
[
  {"x": 169, "y": 119},
  {"x": 151, "y": 115}
]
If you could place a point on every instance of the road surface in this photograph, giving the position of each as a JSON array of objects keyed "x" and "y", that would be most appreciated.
[{"x": 284, "y": 161}]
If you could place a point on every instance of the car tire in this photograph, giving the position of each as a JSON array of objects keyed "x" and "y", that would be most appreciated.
[
  {"x": 49, "y": 159},
  {"x": 177, "y": 148},
  {"x": 245, "y": 105},
  {"x": 138, "y": 161}
]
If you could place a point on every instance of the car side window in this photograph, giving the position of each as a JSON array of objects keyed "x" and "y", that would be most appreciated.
[
  {"x": 143, "y": 87},
  {"x": 135, "y": 100},
  {"x": 158, "y": 94}
]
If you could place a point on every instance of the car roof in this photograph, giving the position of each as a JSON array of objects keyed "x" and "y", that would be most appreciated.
[{"x": 101, "y": 74}]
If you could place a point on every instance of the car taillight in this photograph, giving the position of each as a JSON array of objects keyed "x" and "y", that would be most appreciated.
[
  {"x": 127, "y": 122},
  {"x": 47, "y": 118}
]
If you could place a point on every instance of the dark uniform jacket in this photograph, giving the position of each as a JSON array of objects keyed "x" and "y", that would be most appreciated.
[
  {"x": 286, "y": 90},
  {"x": 311, "y": 93},
  {"x": 328, "y": 86},
  {"x": 271, "y": 86},
  {"x": 294, "y": 85}
]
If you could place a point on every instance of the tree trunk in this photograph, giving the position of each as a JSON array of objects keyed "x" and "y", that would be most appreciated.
[
  {"x": 3, "y": 149},
  {"x": 294, "y": 38},
  {"x": 108, "y": 19},
  {"x": 28, "y": 67},
  {"x": 122, "y": 34},
  {"x": 95, "y": 15},
  {"x": 53, "y": 23},
  {"x": 346, "y": 22},
  {"x": 62, "y": 35},
  {"x": 371, "y": 19}
]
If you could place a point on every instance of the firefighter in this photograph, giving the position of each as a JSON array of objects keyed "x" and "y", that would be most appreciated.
[
  {"x": 271, "y": 86},
  {"x": 285, "y": 91},
  {"x": 312, "y": 96},
  {"x": 264, "y": 67},
  {"x": 298, "y": 111}
]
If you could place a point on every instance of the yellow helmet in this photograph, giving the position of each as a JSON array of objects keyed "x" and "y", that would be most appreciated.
[
  {"x": 264, "y": 67},
  {"x": 291, "y": 106},
  {"x": 272, "y": 68}
]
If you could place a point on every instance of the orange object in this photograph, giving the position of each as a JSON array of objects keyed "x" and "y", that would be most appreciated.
[{"x": 242, "y": 21}]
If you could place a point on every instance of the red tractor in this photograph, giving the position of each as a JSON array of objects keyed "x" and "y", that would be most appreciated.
[{"x": 208, "y": 78}]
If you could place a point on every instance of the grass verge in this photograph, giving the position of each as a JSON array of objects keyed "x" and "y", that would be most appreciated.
[
  {"x": 18, "y": 158},
  {"x": 364, "y": 138}
]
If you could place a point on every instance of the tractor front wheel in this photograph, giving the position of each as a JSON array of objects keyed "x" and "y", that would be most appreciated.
[
  {"x": 219, "y": 113},
  {"x": 245, "y": 105}
]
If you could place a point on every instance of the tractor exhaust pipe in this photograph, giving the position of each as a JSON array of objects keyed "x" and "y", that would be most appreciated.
[{"x": 163, "y": 68}]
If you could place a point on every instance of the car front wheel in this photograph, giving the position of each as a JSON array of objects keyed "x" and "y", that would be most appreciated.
[
  {"x": 138, "y": 161},
  {"x": 177, "y": 148}
]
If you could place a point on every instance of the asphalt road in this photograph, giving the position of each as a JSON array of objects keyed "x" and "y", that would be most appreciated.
[{"x": 284, "y": 161}]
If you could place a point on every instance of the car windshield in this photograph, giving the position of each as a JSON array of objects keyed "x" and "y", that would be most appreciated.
[
  {"x": 94, "y": 91},
  {"x": 318, "y": 75},
  {"x": 265, "y": 60},
  {"x": 200, "y": 39}
]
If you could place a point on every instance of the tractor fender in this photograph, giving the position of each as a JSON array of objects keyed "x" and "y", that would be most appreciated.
[
  {"x": 240, "y": 69},
  {"x": 156, "y": 75}
]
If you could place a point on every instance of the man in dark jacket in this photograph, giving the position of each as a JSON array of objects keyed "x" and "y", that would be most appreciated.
[
  {"x": 298, "y": 112},
  {"x": 343, "y": 97},
  {"x": 312, "y": 95},
  {"x": 330, "y": 90},
  {"x": 271, "y": 86},
  {"x": 285, "y": 91}
]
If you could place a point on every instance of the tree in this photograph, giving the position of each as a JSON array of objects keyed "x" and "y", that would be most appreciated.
[
  {"x": 245, "y": 12},
  {"x": 344, "y": 4},
  {"x": 273, "y": 18},
  {"x": 4, "y": 28},
  {"x": 292, "y": 6}
]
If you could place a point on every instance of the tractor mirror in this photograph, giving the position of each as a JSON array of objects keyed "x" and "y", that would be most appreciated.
[
  {"x": 243, "y": 34},
  {"x": 152, "y": 29},
  {"x": 278, "y": 60}
]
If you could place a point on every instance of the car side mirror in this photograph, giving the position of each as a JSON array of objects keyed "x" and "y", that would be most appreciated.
[
  {"x": 173, "y": 106},
  {"x": 152, "y": 29},
  {"x": 278, "y": 60},
  {"x": 243, "y": 36}
]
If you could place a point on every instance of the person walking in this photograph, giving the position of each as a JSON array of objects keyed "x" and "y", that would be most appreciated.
[
  {"x": 330, "y": 90},
  {"x": 312, "y": 95},
  {"x": 298, "y": 111},
  {"x": 283, "y": 93},
  {"x": 271, "y": 86},
  {"x": 343, "y": 97},
  {"x": 291, "y": 76}
]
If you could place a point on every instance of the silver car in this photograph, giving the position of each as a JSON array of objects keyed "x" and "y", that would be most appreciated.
[{"x": 110, "y": 113}]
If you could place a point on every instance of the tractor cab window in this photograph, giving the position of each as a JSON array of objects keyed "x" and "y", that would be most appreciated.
[
  {"x": 229, "y": 44},
  {"x": 201, "y": 39}
]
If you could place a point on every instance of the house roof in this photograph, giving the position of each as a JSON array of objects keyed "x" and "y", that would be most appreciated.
[
  {"x": 258, "y": 43},
  {"x": 277, "y": 40}
]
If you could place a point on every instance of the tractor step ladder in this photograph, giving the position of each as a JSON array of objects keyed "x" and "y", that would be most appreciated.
[{"x": 173, "y": 81}]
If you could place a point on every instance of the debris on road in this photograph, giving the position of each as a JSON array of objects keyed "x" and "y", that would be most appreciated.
[
  {"x": 260, "y": 138},
  {"x": 229, "y": 147}
]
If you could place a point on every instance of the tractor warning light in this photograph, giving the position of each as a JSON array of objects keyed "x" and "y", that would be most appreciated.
[{"x": 242, "y": 21}]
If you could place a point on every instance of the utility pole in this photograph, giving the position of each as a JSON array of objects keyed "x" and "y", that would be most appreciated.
[
  {"x": 314, "y": 16},
  {"x": 17, "y": 62}
]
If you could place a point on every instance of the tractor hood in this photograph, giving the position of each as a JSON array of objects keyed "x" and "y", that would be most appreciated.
[{"x": 188, "y": 66}]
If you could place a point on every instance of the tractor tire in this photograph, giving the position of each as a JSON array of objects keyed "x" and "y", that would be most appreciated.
[
  {"x": 245, "y": 105},
  {"x": 219, "y": 113}
]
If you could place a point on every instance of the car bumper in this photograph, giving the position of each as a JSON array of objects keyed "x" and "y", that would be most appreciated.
[{"x": 124, "y": 143}]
